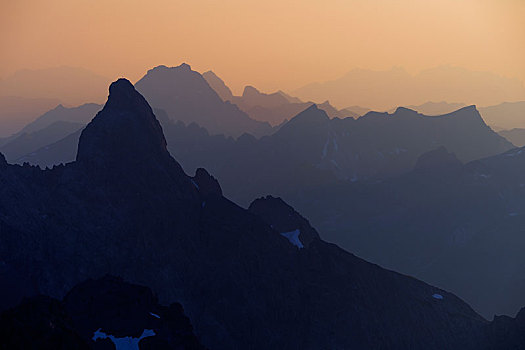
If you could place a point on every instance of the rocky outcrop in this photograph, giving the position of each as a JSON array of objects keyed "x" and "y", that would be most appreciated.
[{"x": 97, "y": 314}]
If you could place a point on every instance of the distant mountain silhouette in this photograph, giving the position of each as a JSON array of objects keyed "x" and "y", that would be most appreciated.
[
  {"x": 186, "y": 96},
  {"x": 127, "y": 207},
  {"x": 81, "y": 115},
  {"x": 382, "y": 90},
  {"x": 435, "y": 108},
  {"x": 28, "y": 142},
  {"x": 47, "y": 129},
  {"x": 218, "y": 85},
  {"x": 320, "y": 150},
  {"x": 357, "y": 111},
  {"x": 60, "y": 152},
  {"x": 15, "y": 112},
  {"x": 70, "y": 85},
  {"x": 516, "y": 136},
  {"x": 274, "y": 108},
  {"x": 508, "y": 115}
]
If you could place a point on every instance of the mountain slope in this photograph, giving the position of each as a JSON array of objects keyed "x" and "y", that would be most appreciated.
[
  {"x": 126, "y": 207},
  {"x": 453, "y": 225}
]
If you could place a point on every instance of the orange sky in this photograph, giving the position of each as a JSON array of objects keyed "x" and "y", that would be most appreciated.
[{"x": 271, "y": 44}]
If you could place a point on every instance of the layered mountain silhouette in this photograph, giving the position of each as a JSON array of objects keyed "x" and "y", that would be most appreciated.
[
  {"x": 275, "y": 108},
  {"x": 15, "y": 112},
  {"x": 516, "y": 136},
  {"x": 312, "y": 149},
  {"x": 508, "y": 115},
  {"x": 186, "y": 96},
  {"x": 453, "y": 225},
  {"x": 50, "y": 128},
  {"x": 126, "y": 207},
  {"x": 435, "y": 108},
  {"x": 218, "y": 85},
  {"x": 320, "y": 149}
]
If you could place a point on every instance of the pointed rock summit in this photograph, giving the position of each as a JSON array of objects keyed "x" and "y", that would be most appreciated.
[
  {"x": 125, "y": 130},
  {"x": 311, "y": 119}
]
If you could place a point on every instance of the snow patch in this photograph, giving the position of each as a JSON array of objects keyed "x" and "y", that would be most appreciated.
[
  {"x": 514, "y": 153},
  {"x": 293, "y": 237},
  {"x": 437, "y": 296},
  {"x": 125, "y": 343},
  {"x": 194, "y": 184}
]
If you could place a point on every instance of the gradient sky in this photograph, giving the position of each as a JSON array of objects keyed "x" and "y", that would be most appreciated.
[{"x": 271, "y": 44}]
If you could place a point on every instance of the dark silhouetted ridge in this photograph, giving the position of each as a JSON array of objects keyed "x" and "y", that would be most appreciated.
[{"x": 283, "y": 218}]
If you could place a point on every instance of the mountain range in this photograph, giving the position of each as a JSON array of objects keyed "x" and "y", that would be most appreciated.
[
  {"x": 275, "y": 108},
  {"x": 127, "y": 208}
]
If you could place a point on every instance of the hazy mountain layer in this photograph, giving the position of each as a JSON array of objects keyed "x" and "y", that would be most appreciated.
[{"x": 186, "y": 96}]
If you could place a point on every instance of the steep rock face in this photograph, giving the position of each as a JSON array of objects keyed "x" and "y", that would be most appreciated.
[
  {"x": 111, "y": 136},
  {"x": 186, "y": 96},
  {"x": 206, "y": 183},
  {"x": 241, "y": 282}
]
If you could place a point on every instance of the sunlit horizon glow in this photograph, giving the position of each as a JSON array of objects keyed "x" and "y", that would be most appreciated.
[{"x": 271, "y": 45}]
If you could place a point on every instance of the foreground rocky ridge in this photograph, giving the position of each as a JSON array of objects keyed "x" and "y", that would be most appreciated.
[
  {"x": 127, "y": 208},
  {"x": 97, "y": 314}
]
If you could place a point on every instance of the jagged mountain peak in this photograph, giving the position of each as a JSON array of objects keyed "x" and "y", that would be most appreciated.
[
  {"x": 405, "y": 110},
  {"x": 124, "y": 130}
]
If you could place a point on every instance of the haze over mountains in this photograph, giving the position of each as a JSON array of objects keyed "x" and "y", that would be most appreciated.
[
  {"x": 274, "y": 108},
  {"x": 126, "y": 207},
  {"x": 27, "y": 94},
  {"x": 186, "y": 96},
  {"x": 437, "y": 197},
  {"x": 383, "y": 90}
]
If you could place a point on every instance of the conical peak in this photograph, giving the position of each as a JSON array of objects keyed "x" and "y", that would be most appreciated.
[{"x": 124, "y": 130}]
